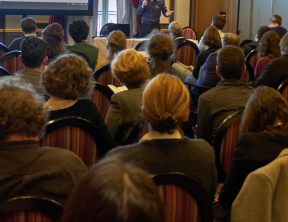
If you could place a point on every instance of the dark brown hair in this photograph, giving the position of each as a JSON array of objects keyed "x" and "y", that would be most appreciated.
[
  {"x": 219, "y": 21},
  {"x": 211, "y": 37},
  {"x": 266, "y": 112},
  {"x": 53, "y": 34},
  {"x": 269, "y": 45},
  {"x": 114, "y": 191},
  {"x": 276, "y": 19},
  {"x": 67, "y": 77}
]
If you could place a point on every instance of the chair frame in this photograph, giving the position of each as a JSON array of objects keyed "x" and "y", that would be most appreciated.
[
  {"x": 188, "y": 27},
  {"x": 188, "y": 42},
  {"x": 245, "y": 42},
  {"x": 250, "y": 70},
  {"x": 105, "y": 90},
  {"x": 4, "y": 48},
  {"x": 139, "y": 44},
  {"x": 248, "y": 57},
  {"x": 282, "y": 86},
  {"x": 4, "y": 72},
  {"x": 134, "y": 131},
  {"x": 191, "y": 186},
  {"x": 30, "y": 203},
  {"x": 100, "y": 33},
  {"x": 98, "y": 72},
  {"x": 9, "y": 55}
]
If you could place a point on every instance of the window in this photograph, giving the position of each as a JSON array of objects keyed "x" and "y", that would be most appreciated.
[{"x": 107, "y": 13}]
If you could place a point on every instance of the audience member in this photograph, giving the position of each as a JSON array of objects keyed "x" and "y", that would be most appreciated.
[
  {"x": 163, "y": 149},
  {"x": 29, "y": 26},
  {"x": 160, "y": 47},
  {"x": 26, "y": 169},
  {"x": 116, "y": 42},
  {"x": 114, "y": 191},
  {"x": 263, "y": 135},
  {"x": 275, "y": 25},
  {"x": 67, "y": 79},
  {"x": 53, "y": 34},
  {"x": 34, "y": 57},
  {"x": 258, "y": 37},
  {"x": 132, "y": 70},
  {"x": 275, "y": 72},
  {"x": 219, "y": 22},
  {"x": 268, "y": 49},
  {"x": 79, "y": 31},
  {"x": 175, "y": 30},
  {"x": 230, "y": 94}
]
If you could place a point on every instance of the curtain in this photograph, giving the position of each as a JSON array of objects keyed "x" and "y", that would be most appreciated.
[
  {"x": 60, "y": 20},
  {"x": 126, "y": 14},
  {"x": 135, "y": 4}
]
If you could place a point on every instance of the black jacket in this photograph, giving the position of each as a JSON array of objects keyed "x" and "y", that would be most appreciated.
[{"x": 279, "y": 30}]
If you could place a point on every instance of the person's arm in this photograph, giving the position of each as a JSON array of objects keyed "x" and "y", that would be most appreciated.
[
  {"x": 140, "y": 8},
  {"x": 204, "y": 119},
  {"x": 266, "y": 78},
  {"x": 200, "y": 60}
]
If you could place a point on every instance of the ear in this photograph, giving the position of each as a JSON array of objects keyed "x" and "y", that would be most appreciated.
[
  {"x": 212, "y": 23},
  {"x": 218, "y": 71},
  {"x": 45, "y": 60},
  {"x": 143, "y": 114},
  {"x": 20, "y": 59}
]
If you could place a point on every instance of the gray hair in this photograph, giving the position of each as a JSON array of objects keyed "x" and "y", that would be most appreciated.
[
  {"x": 175, "y": 27},
  {"x": 231, "y": 39},
  {"x": 284, "y": 44}
]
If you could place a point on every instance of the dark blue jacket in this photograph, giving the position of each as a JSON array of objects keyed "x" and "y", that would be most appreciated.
[{"x": 279, "y": 30}]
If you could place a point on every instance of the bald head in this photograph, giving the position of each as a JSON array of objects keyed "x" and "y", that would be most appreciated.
[{"x": 231, "y": 39}]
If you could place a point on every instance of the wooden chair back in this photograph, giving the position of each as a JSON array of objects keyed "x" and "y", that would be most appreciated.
[
  {"x": 104, "y": 30},
  {"x": 225, "y": 142},
  {"x": 30, "y": 209},
  {"x": 184, "y": 198},
  {"x": 10, "y": 62},
  {"x": 75, "y": 134},
  {"x": 244, "y": 43},
  {"x": 186, "y": 53},
  {"x": 136, "y": 132},
  {"x": 283, "y": 89},
  {"x": 104, "y": 76},
  {"x": 189, "y": 33},
  {"x": 252, "y": 59},
  {"x": 101, "y": 97},
  {"x": 248, "y": 75},
  {"x": 140, "y": 46}
]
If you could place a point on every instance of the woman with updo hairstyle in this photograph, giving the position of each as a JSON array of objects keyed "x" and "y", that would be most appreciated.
[
  {"x": 160, "y": 48},
  {"x": 263, "y": 135},
  {"x": 113, "y": 191},
  {"x": 68, "y": 82},
  {"x": 53, "y": 35},
  {"x": 116, "y": 42},
  {"x": 268, "y": 49},
  {"x": 132, "y": 70},
  {"x": 164, "y": 149}
]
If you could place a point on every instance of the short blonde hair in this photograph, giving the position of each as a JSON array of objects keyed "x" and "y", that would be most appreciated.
[
  {"x": 165, "y": 103},
  {"x": 130, "y": 68},
  {"x": 68, "y": 77},
  {"x": 116, "y": 42},
  {"x": 176, "y": 28}
]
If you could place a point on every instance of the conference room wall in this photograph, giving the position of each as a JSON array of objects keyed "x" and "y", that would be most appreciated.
[{"x": 182, "y": 10}]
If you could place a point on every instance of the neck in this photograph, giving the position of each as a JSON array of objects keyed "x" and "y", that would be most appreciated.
[
  {"x": 20, "y": 137},
  {"x": 274, "y": 25},
  {"x": 39, "y": 69}
]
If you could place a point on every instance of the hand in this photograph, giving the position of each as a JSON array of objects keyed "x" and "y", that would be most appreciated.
[
  {"x": 144, "y": 3},
  {"x": 169, "y": 13},
  {"x": 191, "y": 68}
]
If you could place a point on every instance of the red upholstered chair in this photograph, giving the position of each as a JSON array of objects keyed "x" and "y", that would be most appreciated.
[
  {"x": 137, "y": 131},
  {"x": 186, "y": 53},
  {"x": 101, "y": 97},
  {"x": 252, "y": 59},
  {"x": 140, "y": 46},
  {"x": 104, "y": 76},
  {"x": 104, "y": 30},
  {"x": 244, "y": 43},
  {"x": 10, "y": 62},
  {"x": 225, "y": 142},
  {"x": 30, "y": 209},
  {"x": 189, "y": 33},
  {"x": 248, "y": 75},
  {"x": 75, "y": 134},
  {"x": 184, "y": 198},
  {"x": 283, "y": 89}
]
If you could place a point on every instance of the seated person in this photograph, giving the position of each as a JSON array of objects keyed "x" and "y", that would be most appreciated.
[
  {"x": 160, "y": 47},
  {"x": 67, "y": 79},
  {"x": 212, "y": 40},
  {"x": 34, "y": 58},
  {"x": 275, "y": 72},
  {"x": 258, "y": 37},
  {"x": 79, "y": 31},
  {"x": 175, "y": 30},
  {"x": 116, "y": 42},
  {"x": 163, "y": 149},
  {"x": 26, "y": 169},
  {"x": 131, "y": 69},
  {"x": 114, "y": 191},
  {"x": 268, "y": 49},
  {"x": 230, "y": 94},
  {"x": 275, "y": 25},
  {"x": 29, "y": 26},
  {"x": 263, "y": 135},
  {"x": 53, "y": 35}
]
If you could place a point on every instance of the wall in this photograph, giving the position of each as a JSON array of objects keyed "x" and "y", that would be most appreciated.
[{"x": 182, "y": 10}]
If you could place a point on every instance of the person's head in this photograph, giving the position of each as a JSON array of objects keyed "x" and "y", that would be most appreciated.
[
  {"x": 219, "y": 21},
  {"x": 165, "y": 103},
  {"x": 53, "y": 34},
  {"x": 78, "y": 30},
  {"x": 68, "y": 77},
  {"x": 211, "y": 37},
  {"x": 160, "y": 47},
  {"x": 116, "y": 42},
  {"x": 21, "y": 111},
  {"x": 114, "y": 191},
  {"x": 261, "y": 32},
  {"x": 28, "y": 25},
  {"x": 230, "y": 62},
  {"x": 275, "y": 20},
  {"x": 266, "y": 112},
  {"x": 269, "y": 45},
  {"x": 131, "y": 68},
  {"x": 231, "y": 39},
  {"x": 175, "y": 28},
  {"x": 284, "y": 44},
  {"x": 33, "y": 52}
]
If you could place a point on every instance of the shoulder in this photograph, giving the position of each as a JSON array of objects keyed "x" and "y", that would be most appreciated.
[
  {"x": 208, "y": 96},
  {"x": 85, "y": 102},
  {"x": 126, "y": 150},
  {"x": 202, "y": 146}
]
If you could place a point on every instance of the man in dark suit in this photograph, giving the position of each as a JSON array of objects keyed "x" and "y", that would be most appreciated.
[
  {"x": 175, "y": 30},
  {"x": 275, "y": 72},
  {"x": 275, "y": 25},
  {"x": 29, "y": 26}
]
